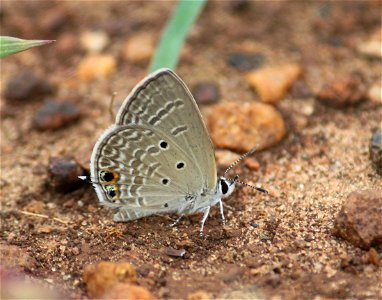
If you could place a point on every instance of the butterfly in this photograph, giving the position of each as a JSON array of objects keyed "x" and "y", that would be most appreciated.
[{"x": 158, "y": 157}]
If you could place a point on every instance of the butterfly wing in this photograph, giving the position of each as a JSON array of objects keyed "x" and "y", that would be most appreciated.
[
  {"x": 158, "y": 153},
  {"x": 163, "y": 101}
]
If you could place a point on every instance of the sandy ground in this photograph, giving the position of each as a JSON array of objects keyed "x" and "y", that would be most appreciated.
[{"x": 278, "y": 245}]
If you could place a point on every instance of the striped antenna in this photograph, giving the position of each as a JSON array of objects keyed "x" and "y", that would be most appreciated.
[
  {"x": 250, "y": 152},
  {"x": 236, "y": 179}
]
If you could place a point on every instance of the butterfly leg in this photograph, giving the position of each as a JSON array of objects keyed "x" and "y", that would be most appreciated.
[
  {"x": 205, "y": 215},
  {"x": 176, "y": 222},
  {"x": 222, "y": 211}
]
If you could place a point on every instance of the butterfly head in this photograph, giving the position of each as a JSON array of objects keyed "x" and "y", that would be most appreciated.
[{"x": 226, "y": 186}]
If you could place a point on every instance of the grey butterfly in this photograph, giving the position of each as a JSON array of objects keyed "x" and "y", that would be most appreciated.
[{"x": 158, "y": 157}]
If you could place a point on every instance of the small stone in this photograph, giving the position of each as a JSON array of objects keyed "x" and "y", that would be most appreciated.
[
  {"x": 342, "y": 92},
  {"x": 375, "y": 149},
  {"x": 225, "y": 158},
  {"x": 139, "y": 48},
  {"x": 55, "y": 19},
  {"x": 232, "y": 233},
  {"x": 54, "y": 115},
  {"x": 272, "y": 83},
  {"x": 360, "y": 219},
  {"x": 231, "y": 273},
  {"x": 94, "y": 41},
  {"x": 35, "y": 206},
  {"x": 372, "y": 46},
  {"x": 96, "y": 66},
  {"x": 174, "y": 252},
  {"x": 101, "y": 277},
  {"x": 45, "y": 229},
  {"x": 242, "y": 126},
  {"x": 127, "y": 291},
  {"x": 240, "y": 5},
  {"x": 63, "y": 174},
  {"x": 246, "y": 61},
  {"x": 206, "y": 92},
  {"x": 375, "y": 93},
  {"x": 198, "y": 295},
  {"x": 27, "y": 86},
  {"x": 374, "y": 257},
  {"x": 15, "y": 258},
  {"x": 252, "y": 163}
]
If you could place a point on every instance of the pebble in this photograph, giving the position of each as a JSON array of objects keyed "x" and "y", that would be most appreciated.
[
  {"x": 360, "y": 219},
  {"x": 246, "y": 61},
  {"x": 101, "y": 277},
  {"x": 272, "y": 83},
  {"x": 27, "y": 86},
  {"x": 375, "y": 93},
  {"x": 225, "y": 158},
  {"x": 55, "y": 19},
  {"x": 372, "y": 46},
  {"x": 139, "y": 48},
  {"x": 63, "y": 174},
  {"x": 242, "y": 126},
  {"x": 373, "y": 257},
  {"x": 127, "y": 291},
  {"x": 96, "y": 66},
  {"x": 231, "y": 273},
  {"x": 54, "y": 115},
  {"x": 16, "y": 258},
  {"x": 174, "y": 252},
  {"x": 375, "y": 149},
  {"x": 342, "y": 92},
  {"x": 35, "y": 206},
  {"x": 198, "y": 295},
  {"x": 252, "y": 164},
  {"x": 94, "y": 41},
  {"x": 206, "y": 93}
]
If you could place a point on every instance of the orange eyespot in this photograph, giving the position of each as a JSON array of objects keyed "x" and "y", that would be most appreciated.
[{"x": 108, "y": 176}]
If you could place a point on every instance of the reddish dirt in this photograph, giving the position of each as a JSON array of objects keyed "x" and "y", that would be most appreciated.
[{"x": 279, "y": 245}]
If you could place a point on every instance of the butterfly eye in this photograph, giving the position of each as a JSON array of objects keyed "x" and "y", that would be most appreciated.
[
  {"x": 224, "y": 187},
  {"x": 165, "y": 181},
  {"x": 163, "y": 145}
]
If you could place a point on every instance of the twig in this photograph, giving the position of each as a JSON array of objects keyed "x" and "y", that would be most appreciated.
[{"x": 43, "y": 216}]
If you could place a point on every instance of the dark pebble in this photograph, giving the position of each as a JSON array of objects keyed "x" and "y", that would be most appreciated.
[
  {"x": 375, "y": 149},
  {"x": 54, "y": 115},
  {"x": 54, "y": 20},
  {"x": 344, "y": 91},
  {"x": 174, "y": 252},
  {"x": 240, "y": 5},
  {"x": 246, "y": 62},
  {"x": 27, "y": 86},
  {"x": 206, "y": 93},
  {"x": 63, "y": 174}
]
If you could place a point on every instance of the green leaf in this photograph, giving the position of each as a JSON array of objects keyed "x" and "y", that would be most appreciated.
[
  {"x": 10, "y": 45},
  {"x": 167, "y": 53}
]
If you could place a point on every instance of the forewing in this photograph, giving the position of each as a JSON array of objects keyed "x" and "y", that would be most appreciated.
[
  {"x": 162, "y": 101},
  {"x": 134, "y": 166}
]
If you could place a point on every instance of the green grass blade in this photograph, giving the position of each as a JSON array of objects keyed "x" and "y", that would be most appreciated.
[
  {"x": 167, "y": 53},
  {"x": 10, "y": 45}
]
